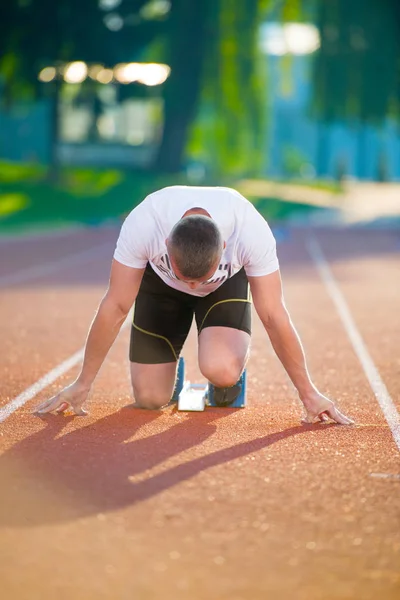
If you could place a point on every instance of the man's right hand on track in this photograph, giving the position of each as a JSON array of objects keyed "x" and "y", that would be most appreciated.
[
  {"x": 74, "y": 396},
  {"x": 319, "y": 408}
]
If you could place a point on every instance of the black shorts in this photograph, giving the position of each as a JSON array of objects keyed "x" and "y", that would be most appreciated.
[{"x": 163, "y": 315}]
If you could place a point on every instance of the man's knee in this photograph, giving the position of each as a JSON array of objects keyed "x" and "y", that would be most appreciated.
[
  {"x": 222, "y": 373},
  {"x": 150, "y": 400}
]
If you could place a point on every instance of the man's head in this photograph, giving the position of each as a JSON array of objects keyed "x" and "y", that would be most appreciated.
[{"x": 195, "y": 247}]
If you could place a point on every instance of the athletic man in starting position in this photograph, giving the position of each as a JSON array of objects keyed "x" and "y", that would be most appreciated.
[{"x": 188, "y": 251}]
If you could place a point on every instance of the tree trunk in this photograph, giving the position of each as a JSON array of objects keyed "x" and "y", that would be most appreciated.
[
  {"x": 182, "y": 89},
  {"x": 54, "y": 167}
]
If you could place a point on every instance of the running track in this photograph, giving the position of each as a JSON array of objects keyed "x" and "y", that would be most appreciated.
[{"x": 226, "y": 504}]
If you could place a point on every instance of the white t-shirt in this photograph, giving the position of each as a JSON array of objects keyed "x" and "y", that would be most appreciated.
[{"x": 249, "y": 240}]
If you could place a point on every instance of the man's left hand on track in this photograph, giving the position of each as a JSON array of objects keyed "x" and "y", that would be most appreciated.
[
  {"x": 73, "y": 396},
  {"x": 319, "y": 408}
]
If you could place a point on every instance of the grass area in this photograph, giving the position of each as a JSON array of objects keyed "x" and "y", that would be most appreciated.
[
  {"x": 276, "y": 209},
  {"x": 28, "y": 199}
]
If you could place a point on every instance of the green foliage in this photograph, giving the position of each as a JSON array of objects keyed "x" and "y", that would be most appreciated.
[
  {"x": 357, "y": 71},
  {"x": 12, "y": 203},
  {"x": 292, "y": 160},
  {"x": 32, "y": 201},
  {"x": 89, "y": 196},
  {"x": 292, "y": 10},
  {"x": 229, "y": 133},
  {"x": 211, "y": 46},
  {"x": 274, "y": 209},
  {"x": 15, "y": 172},
  {"x": 39, "y": 33},
  {"x": 88, "y": 183}
]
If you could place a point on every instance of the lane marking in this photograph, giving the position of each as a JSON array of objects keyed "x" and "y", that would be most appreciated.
[
  {"x": 47, "y": 268},
  {"x": 49, "y": 378},
  {"x": 393, "y": 476},
  {"x": 40, "y": 385},
  {"x": 378, "y": 387}
]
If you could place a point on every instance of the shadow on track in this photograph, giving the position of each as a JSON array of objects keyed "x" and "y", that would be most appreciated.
[{"x": 53, "y": 477}]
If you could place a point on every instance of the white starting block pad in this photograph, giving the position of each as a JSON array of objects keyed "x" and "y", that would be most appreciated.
[{"x": 193, "y": 396}]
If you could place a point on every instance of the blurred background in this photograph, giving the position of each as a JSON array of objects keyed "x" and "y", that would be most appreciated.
[{"x": 294, "y": 103}]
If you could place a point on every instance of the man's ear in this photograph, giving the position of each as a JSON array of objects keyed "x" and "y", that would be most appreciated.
[
  {"x": 224, "y": 245},
  {"x": 166, "y": 241}
]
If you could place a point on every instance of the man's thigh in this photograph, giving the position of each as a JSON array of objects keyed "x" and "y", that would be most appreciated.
[
  {"x": 161, "y": 322},
  {"x": 224, "y": 323},
  {"x": 223, "y": 349},
  {"x": 229, "y": 306}
]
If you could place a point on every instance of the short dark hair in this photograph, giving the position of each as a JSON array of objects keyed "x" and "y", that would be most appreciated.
[{"x": 196, "y": 244}]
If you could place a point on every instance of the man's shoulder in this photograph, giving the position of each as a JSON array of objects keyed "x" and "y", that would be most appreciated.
[
  {"x": 168, "y": 204},
  {"x": 195, "y": 190}
]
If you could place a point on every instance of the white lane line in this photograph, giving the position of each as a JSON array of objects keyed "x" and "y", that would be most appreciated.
[
  {"x": 42, "y": 383},
  {"x": 378, "y": 387},
  {"x": 47, "y": 268},
  {"x": 393, "y": 476},
  {"x": 47, "y": 379}
]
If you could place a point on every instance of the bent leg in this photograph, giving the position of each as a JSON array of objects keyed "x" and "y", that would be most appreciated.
[
  {"x": 152, "y": 385},
  {"x": 162, "y": 320},
  {"x": 224, "y": 323},
  {"x": 223, "y": 353}
]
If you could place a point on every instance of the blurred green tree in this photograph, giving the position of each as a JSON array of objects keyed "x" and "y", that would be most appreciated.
[
  {"x": 214, "y": 45},
  {"x": 357, "y": 69},
  {"x": 211, "y": 47},
  {"x": 37, "y": 33}
]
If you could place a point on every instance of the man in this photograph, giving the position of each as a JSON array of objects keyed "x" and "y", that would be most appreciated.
[{"x": 188, "y": 251}]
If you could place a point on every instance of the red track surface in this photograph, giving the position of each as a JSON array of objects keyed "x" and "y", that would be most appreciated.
[{"x": 226, "y": 504}]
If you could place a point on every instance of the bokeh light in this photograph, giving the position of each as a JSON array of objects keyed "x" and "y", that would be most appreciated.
[
  {"x": 47, "y": 74},
  {"x": 154, "y": 74},
  {"x": 109, "y": 4},
  {"x": 113, "y": 22},
  {"x": 123, "y": 74},
  {"x": 289, "y": 38},
  {"x": 94, "y": 71},
  {"x": 155, "y": 9},
  {"x": 147, "y": 73},
  {"x": 150, "y": 74},
  {"x": 75, "y": 72},
  {"x": 105, "y": 76}
]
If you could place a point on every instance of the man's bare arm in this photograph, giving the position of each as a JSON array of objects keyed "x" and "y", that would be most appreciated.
[
  {"x": 270, "y": 306},
  {"x": 122, "y": 291}
]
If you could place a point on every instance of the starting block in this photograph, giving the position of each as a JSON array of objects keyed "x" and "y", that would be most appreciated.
[
  {"x": 239, "y": 402},
  {"x": 193, "y": 396},
  {"x": 196, "y": 396}
]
